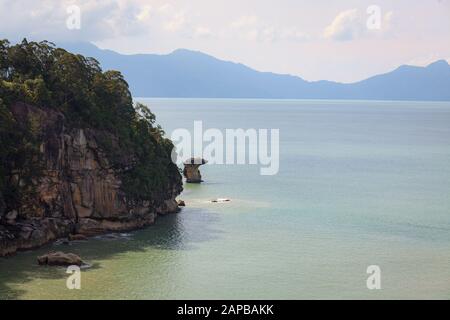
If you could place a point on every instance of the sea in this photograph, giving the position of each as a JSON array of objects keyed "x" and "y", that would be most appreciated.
[{"x": 358, "y": 209}]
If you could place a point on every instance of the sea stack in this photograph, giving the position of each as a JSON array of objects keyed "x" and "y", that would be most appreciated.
[{"x": 191, "y": 171}]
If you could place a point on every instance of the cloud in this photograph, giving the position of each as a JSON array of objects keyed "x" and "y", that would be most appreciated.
[
  {"x": 244, "y": 22},
  {"x": 253, "y": 29},
  {"x": 202, "y": 32},
  {"x": 176, "y": 22},
  {"x": 100, "y": 20},
  {"x": 294, "y": 34},
  {"x": 170, "y": 18},
  {"x": 353, "y": 24},
  {"x": 46, "y": 19},
  {"x": 179, "y": 22},
  {"x": 145, "y": 13},
  {"x": 347, "y": 25}
]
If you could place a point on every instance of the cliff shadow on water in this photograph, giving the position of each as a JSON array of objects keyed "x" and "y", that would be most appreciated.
[{"x": 172, "y": 232}]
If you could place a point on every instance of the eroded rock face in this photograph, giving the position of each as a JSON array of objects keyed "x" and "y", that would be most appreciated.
[
  {"x": 60, "y": 259},
  {"x": 78, "y": 192},
  {"x": 191, "y": 170}
]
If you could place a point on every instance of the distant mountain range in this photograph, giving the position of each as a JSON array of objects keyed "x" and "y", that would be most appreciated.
[{"x": 190, "y": 74}]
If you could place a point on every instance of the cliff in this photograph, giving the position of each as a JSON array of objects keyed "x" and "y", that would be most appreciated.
[
  {"x": 66, "y": 169},
  {"x": 78, "y": 190}
]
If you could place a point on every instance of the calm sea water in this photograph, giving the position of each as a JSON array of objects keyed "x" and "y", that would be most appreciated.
[{"x": 360, "y": 183}]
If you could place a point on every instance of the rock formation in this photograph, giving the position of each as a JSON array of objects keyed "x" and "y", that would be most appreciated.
[
  {"x": 77, "y": 237},
  {"x": 60, "y": 259},
  {"x": 191, "y": 171},
  {"x": 78, "y": 190},
  {"x": 181, "y": 203},
  {"x": 220, "y": 200}
]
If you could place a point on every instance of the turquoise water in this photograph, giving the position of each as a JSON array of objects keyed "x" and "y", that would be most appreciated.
[{"x": 360, "y": 183}]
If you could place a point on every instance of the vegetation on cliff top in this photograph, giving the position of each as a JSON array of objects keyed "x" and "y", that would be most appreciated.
[{"x": 45, "y": 76}]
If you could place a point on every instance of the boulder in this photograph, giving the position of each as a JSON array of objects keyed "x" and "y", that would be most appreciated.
[
  {"x": 191, "y": 171},
  {"x": 77, "y": 237},
  {"x": 59, "y": 259},
  {"x": 181, "y": 203}
]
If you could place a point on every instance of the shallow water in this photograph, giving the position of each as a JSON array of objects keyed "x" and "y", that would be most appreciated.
[{"x": 360, "y": 183}]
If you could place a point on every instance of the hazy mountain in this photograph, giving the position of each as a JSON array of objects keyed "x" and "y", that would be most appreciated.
[{"x": 185, "y": 73}]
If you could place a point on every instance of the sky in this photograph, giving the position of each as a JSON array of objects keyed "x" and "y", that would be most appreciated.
[{"x": 345, "y": 41}]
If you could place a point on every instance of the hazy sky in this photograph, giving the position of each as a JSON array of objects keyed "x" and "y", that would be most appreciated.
[{"x": 312, "y": 39}]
